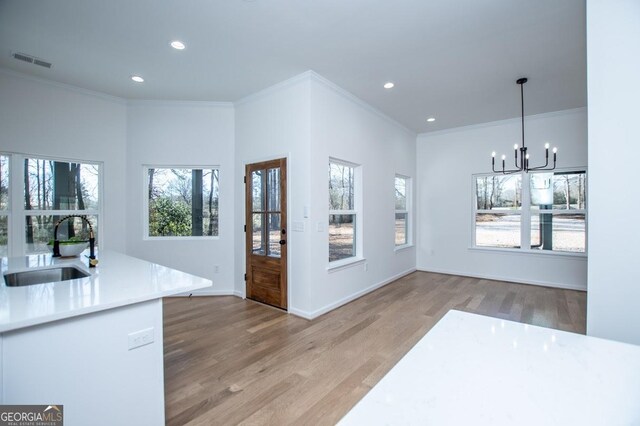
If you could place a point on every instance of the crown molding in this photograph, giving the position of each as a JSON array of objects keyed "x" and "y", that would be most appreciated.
[
  {"x": 357, "y": 101},
  {"x": 167, "y": 103},
  {"x": 274, "y": 89},
  {"x": 63, "y": 86},
  {"x": 517, "y": 120}
]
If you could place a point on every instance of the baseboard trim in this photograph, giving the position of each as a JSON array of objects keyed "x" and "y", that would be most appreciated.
[
  {"x": 330, "y": 307},
  {"x": 206, "y": 292},
  {"x": 497, "y": 278}
]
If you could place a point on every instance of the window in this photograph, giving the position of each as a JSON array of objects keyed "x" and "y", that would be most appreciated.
[
  {"x": 558, "y": 210},
  {"x": 403, "y": 203},
  {"x": 343, "y": 211},
  {"x": 182, "y": 202},
  {"x": 54, "y": 189},
  {"x": 535, "y": 211},
  {"x": 498, "y": 211},
  {"x": 35, "y": 193},
  {"x": 4, "y": 205}
]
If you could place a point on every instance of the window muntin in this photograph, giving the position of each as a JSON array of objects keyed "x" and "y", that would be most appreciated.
[
  {"x": 343, "y": 214},
  {"x": 402, "y": 206},
  {"x": 182, "y": 202},
  {"x": 536, "y": 210}
]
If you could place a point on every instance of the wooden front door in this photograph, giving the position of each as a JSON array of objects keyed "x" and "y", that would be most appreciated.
[{"x": 266, "y": 232}]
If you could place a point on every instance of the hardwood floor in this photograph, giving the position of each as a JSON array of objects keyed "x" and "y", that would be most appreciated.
[{"x": 231, "y": 361}]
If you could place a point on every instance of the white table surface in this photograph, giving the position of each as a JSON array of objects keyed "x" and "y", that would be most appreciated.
[
  {"x": 476, "y": 370},
  {"x": 118, "y": 280}
]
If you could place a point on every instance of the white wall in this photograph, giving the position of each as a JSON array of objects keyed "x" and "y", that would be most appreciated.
[
  {"x": 42, "y": 118},
  {"x": 308, "y": 120},
  {"x": 446, "y": 162},
  {"x": 275, "y": 123},
  {"x": 346, "y": 128},
  {"x": 613, "y": 52},
  {"x": 183, "y": 134}
]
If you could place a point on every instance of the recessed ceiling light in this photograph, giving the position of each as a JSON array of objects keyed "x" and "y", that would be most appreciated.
[
  {"x": 137, "y": 78},
  {"x": 431, "y": 119},
  {"x": 176, "y": 44},
  {"x": 389, "y": 85}
]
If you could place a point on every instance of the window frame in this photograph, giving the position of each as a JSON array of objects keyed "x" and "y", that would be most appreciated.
[
  {"x": 17, "y": 213},
  {"x": 145, "y": 203},
  {"x": 408, "y": 182},
  {"x": 525, "y": 215},
  {"x": 356, "y": 212}
]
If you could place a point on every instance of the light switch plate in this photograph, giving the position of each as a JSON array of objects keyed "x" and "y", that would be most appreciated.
[{"x": 298, "y": 226}]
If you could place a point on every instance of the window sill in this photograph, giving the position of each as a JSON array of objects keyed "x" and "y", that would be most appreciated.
[
  {"x": 403, "y": 247},
  {"x": 339, "y": 265},
  {"x": 518, "y": 251}
]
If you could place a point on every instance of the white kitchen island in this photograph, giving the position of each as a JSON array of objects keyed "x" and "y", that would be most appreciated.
[
  {"x": 92, "y": 344},
  {"x": 476, "y": 370}
]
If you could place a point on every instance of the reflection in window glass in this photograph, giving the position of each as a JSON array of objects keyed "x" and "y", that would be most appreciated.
[
  {"x": 558, "y": 232},
  {"x": 342, "y": 236},
  {"x": 39, "y": 231},
  {"x": 497, "y": 230},
  {"x": 559, "y": 190},
  {"x": 183, "y": 202}
]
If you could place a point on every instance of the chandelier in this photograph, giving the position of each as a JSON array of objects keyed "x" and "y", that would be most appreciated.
[{"x": 522, "y": 160}]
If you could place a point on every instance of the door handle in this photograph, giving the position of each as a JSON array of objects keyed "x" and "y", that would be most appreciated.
[{"x": 282, "y": 242}]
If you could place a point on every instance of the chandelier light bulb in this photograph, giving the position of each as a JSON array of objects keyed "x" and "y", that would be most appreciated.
[
  {"x": 503, "y": 157},
  {"x": 546, "y": 145},
  {"x": 527, "y": 156},
  {"x": 493, "y": 154},
  {"x": 555, "y": 149},
  {"x": 515, "y": 146}
]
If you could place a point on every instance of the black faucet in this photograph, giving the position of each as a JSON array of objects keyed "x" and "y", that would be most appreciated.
[{"x": 92, "y": 240}]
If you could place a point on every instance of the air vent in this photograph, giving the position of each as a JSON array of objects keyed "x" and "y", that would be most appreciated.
[{"x": 31, "y": 59}]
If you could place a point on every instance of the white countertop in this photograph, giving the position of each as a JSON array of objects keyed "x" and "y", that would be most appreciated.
[
  {"x": 471, "y": 369},
  {"x": 118, "y": 280}
]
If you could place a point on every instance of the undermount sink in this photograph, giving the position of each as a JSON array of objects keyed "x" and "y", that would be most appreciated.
[{"x": 41, "y": 276}]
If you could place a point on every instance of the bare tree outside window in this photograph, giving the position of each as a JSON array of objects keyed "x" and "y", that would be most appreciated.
[{"x": 342, "y": 213}]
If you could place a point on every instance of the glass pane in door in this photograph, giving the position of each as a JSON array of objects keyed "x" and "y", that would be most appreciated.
[
  {"x": 257, "y": 192},
  {"x": 274, "y": 235},
  {"x": 273, "y": 190},
  {"x": 258, "y": 234}
]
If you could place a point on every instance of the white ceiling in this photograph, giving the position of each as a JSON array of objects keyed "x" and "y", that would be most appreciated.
[{"x": 456, "y": 60}]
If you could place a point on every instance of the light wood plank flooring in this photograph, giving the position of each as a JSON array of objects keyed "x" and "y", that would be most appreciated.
[{"x": 231, "y": 361}]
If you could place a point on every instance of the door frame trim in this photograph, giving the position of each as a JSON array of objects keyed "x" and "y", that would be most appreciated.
[{"x": 287, "y": 157}]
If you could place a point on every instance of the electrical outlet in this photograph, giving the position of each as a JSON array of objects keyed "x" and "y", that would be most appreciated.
[{"x": 141, "y": 338}]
